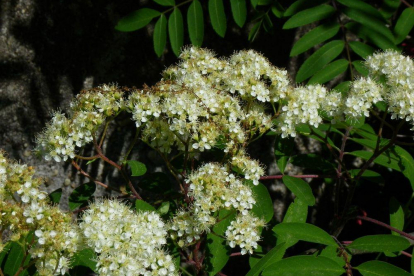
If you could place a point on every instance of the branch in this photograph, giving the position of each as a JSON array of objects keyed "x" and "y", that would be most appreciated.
[
  {"x": 298, "y": 176},
  {"x": 408, "y": 236}
]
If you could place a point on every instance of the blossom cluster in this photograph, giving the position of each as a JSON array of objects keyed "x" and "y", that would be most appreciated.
[
  {"x": 212, "y": 188},
  {"x": 26, "y": 209},
  {"x": 90, "y": 109},
  {"x": 128, "y": 243}
]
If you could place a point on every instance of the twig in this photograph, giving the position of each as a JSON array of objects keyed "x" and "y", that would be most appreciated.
[
  {"x": 298, "y": 176},
  {"x": 402, "y": 233}
]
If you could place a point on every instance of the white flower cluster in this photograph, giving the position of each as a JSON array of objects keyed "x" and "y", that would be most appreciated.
[
  {"x": 90, "y": 108},
  {"x": 250, "y": 168},
  {"x": 398, "y": 71},
  {"x": 244, "y": 231},
  {"x": 212, "y": 188},
  {"x": 57, "y": 238},
  {"x": 128, "y": 243}
]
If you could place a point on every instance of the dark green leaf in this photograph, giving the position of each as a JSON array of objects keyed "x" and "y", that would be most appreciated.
[
  {"x": 363, "y": 7},
  {"x": 85, "y": 257},
  {"x": 312, "y": 161},
  {"x": 378, "y": 268},
  {"x": 304, "y": 232},
  {"x": 277, "y": 10},
  {"x": 396, "y": 215},
  {"x": 254, "y": 3},
  {"x": 379, "y": 243},
  {"x": 330, "y": 71},
  {"x": 225, "y": 217},
  {"x": 255, "y": 31},
  {"x": 81, "y": 195},
  {"x": 369, "y": 175},
  {"x": 301, "y": 5},
  {"x": 360, "y": 67},
  {"x": 271, "y": 257},
  {"x": 300, "y": 188},
  {"x": 389, "y": 7},
  {"x": 217, "y": 253},
  {"x": 195, "y": 22},
  {"x": 160, "y": 35},
  {"x": 14, "y": 259},
  {"x": 405, "y": 24},
  {"x": 176, "y": 31},
  {"x": 308, "y": 16},
  {"x": 283, "y": 150},
  {"x": 264, "y": 205},
  {"x": 267, "y": 23},
  {"x": 55, "y": 196},
  {"x": 165, "y": 2},
  {"x": 369, "y": 22},
  {"x": 91, "y": 161},
  {"x": 314, "y": 37},
  {"x": 366, "y": 131},
  {"x": 5, "y": 251},
  {"x": 304, "y": 266},
  {"x": 217, "y": 16},
  {"x": 371, "y": 35},
  {"x": 361, "y": 49},
  {"x": 136, "y": 20},
  {"x": 137, "y": 167},
  {"x": 319, "y": 59},
  {"x": 239, "y": 11},
  {"x": 143, "y": 206},
  {"x": 343, "y": 87}
]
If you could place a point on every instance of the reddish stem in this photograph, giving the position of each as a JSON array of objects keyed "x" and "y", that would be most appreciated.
[
  {"x": 411, "y": 237},
  {"x": 235, "y": 254}
]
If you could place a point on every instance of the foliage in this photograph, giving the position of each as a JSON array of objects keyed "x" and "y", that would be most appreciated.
[{"x": 210, "y": 204}]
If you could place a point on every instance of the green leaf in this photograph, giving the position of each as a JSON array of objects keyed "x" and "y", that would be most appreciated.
[
  {"x": 396, "y": 215},
  {"x": 277, "y": 10},
  {"x": 137, "y": 167},
  {"x": 369, "y": 22},
  {"x": 405, "y": 24},
  {"x": 300, "y": 188},
  {"x": 297, "y": 211},
  {"x": 254, "y": 3},
  {"x": 308, "y": 16},
  {"x": 379, "y": 243},
  {"x": 217, "y": 253},
  {"x": 160, "y": 35},
  {"x": 164, "y": 208},
  {"x": 314, "y": 37},
  {"x": 304, "y": 266},
  {"x": 136, "y": 20},
  {"x": 255, "y": 31},
  {"x": 55, "y": 196},
  {"x": 143, "y": 206},
  {"x": 225, "y": 217},
  {"x": 217, "y": 16},
  {"x": 360, "y": 67},
  {"x": 85, "y": 257},
  {"x": 81, "y": 195},
  {"x": 331, "y": 252},
  {"x": 176, "y": 31},
  {"x": 312, "y": 161},
  {"x": 389, "y": 7},
  {"x": 14, "y": 260},
  {"x": 283, "y": 150},
  {"x": 195, "y": 21},
  {"x": 304, "y": 232},
  {"x": 361, "y": 49},
  {"x": 363, "y": 7},
  {"x": 239, "y": 11},
  {"x": 343, "y": 87},
  {"x": 412, "y": 263},
  {"x": 264, "y": 205},
  {"x": 369, "y": 175},
  {"x": 330, "y": 71},
  {"x": 301, "y": 5},
  {"x": 165, "y": 2},
  {"x": 319, "y": 59},
  {"x": 5, "y": 251},
  {"x": 378, "y": 268},
  {"x": 271, "y": 257}
]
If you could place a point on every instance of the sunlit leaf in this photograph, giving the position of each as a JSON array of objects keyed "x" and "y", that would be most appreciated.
[
  {"x": 308, "y": 16},
  {"x": 195, "y": 20},
  {"x": 176, "y": 31},
  {"x": 217, "y": 16},
  {"x": 136, "y": 20}
]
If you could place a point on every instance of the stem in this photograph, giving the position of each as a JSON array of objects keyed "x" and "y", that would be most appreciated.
[
  {"x": 406, "y": 254},
  {"x": 402, "y": 233},
  {"x": 298, "y": 176},
  {"x": 406, "y": 3},
  {"x": 76, "y": 165},
  {"x": 132, "y": 145},
  {"x": 87, "y": 158},
  {"x": 235, "y": 254},
  {"x": 340, "y": 181},
  {"x": 104, "y": 133},
  {"x": 176, "y": 6}
]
